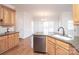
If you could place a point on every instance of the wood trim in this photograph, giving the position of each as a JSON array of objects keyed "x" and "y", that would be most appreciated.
[{"x": 8, "y": 7}]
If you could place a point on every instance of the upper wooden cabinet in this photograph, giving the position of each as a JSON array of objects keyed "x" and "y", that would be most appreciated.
[
  {"x": 12, "y": 17},
  {"x": 76, "y": 13},
  {"x": 7, "y": 19},
  {"x": 7, "y": 16},
  {"x": 1, "y": 13}
]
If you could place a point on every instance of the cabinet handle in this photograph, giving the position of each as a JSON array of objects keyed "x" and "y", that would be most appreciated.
[{"x": 1, "y": 20}]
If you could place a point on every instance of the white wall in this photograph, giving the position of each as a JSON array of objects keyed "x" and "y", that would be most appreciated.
[
  {"x": 27, "y": 24},
  {"x": 19, "y": 23},
  {"x": 23, "y": 23}
]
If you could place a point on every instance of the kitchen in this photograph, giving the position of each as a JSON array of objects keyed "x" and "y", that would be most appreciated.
[{"x": 52, "y": 29}]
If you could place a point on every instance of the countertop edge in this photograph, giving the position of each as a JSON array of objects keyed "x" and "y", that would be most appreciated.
[{"x": 5, "y": 34}]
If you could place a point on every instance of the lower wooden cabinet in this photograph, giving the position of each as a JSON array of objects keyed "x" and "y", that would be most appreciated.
[
  {"x": 16, "y": 39},
  {"x": 51, "y": 48},
  {"x": 62, "y": 44},
  {"x": 3, "y": 45},
  {"x": 9, "y": 41},
  {"x": 58, "y": 47},
  {"x": 73, "y": 51},
  {"x": 61, "y": 51}
]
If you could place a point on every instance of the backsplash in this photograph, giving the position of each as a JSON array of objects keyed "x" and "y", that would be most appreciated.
[
  {"x": 4, "y": 29},
  {"x": 76, "y": 30}
]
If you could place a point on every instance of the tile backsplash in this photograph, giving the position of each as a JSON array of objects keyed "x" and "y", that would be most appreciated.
[
  {"x": 4, "y": 29},
  {"x": 76, "y": 30}
]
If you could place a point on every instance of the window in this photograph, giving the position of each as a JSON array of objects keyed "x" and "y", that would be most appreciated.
[
  {"x": 48, "y": 27},
  {"x": 70, "y": 25}
]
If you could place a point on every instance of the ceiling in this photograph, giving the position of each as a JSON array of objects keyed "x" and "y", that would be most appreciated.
[{"x": 43, "y": 8}]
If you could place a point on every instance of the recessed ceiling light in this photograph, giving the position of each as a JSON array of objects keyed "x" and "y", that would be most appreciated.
[
  {"x": 43, "y": 13},
  {"x": 43, "y": 19}
]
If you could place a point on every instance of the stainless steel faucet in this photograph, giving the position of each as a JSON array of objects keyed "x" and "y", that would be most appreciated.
[{"x": 63, "y": 30}]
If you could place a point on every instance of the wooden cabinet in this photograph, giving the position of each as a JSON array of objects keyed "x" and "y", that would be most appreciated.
[
  {"x": 51, "y": 39},
  {"x": 9, "y": 41},
  {"x": 50, "y": 46},
  {"x": 58, "y": 47},
  {"x": 13, "y": 40},
  {"x": 62, "y": 44},
  {"x": 76, "y": 13},
  {"x": 61, "y": 51},
  {"x": 7, "y": 16},
  {"x": 3, "y": 45},
  {"x": 7, "y": 19},
  {"x": 62, "y": 48},
  {"x": 1, "y": 15},
  {"x": 73, "y": 51},
  {"x": 12, "y": 16},
  {"x": 16, "y": 39}
]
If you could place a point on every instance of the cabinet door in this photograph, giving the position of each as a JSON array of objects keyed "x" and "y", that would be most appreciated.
[
  {"x": 76, "y": 13},
  {"x": 16, "y": 39},
  {"x": 51, "y": 48},
  {"x": 51, "y": 39},
  {"x": 1, "y": 12},
  {"x": 10, "y": 41},
  {"x": 7, "y": 18},
  {"x": 63, "y": 44},
  {"x": 73, "y": 51},
  {"x": 1, "y": 15},
  {"x": 12, "y": 17},
  {"x": 61, "y": 51},
  {"x": 3, "y": 45}
]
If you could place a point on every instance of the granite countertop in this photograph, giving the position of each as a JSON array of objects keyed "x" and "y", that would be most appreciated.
[
  {"x": 4, "y": 34},
  {"x": 73, "y": 42}
]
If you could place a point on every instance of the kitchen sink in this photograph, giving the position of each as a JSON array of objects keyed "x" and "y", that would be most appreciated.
[{"x": 62, "y": 37}]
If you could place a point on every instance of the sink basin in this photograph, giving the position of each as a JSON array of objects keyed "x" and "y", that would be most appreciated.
[{"x": 61, "y": 37}]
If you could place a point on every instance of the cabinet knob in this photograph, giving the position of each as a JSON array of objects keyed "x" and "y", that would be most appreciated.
[{"x": 1, "y": 20}]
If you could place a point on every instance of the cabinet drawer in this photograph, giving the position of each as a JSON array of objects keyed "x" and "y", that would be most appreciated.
[
  {"x": 61, "y": 51},
  {"x": 51, "y": 39},
  {"x": 62, "y": 44}
]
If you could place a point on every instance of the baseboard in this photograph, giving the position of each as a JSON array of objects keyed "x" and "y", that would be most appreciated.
[{"x": 28, "y": 37}]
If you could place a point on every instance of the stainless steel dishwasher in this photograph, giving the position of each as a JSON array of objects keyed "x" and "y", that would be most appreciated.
[{"x": 39, "y": 43}]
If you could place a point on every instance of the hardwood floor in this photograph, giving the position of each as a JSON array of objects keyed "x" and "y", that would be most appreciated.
[{"x": 24, "y": 48}]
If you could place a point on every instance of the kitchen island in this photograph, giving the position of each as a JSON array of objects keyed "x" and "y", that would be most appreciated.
[{"x": 58, "y": 45}]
